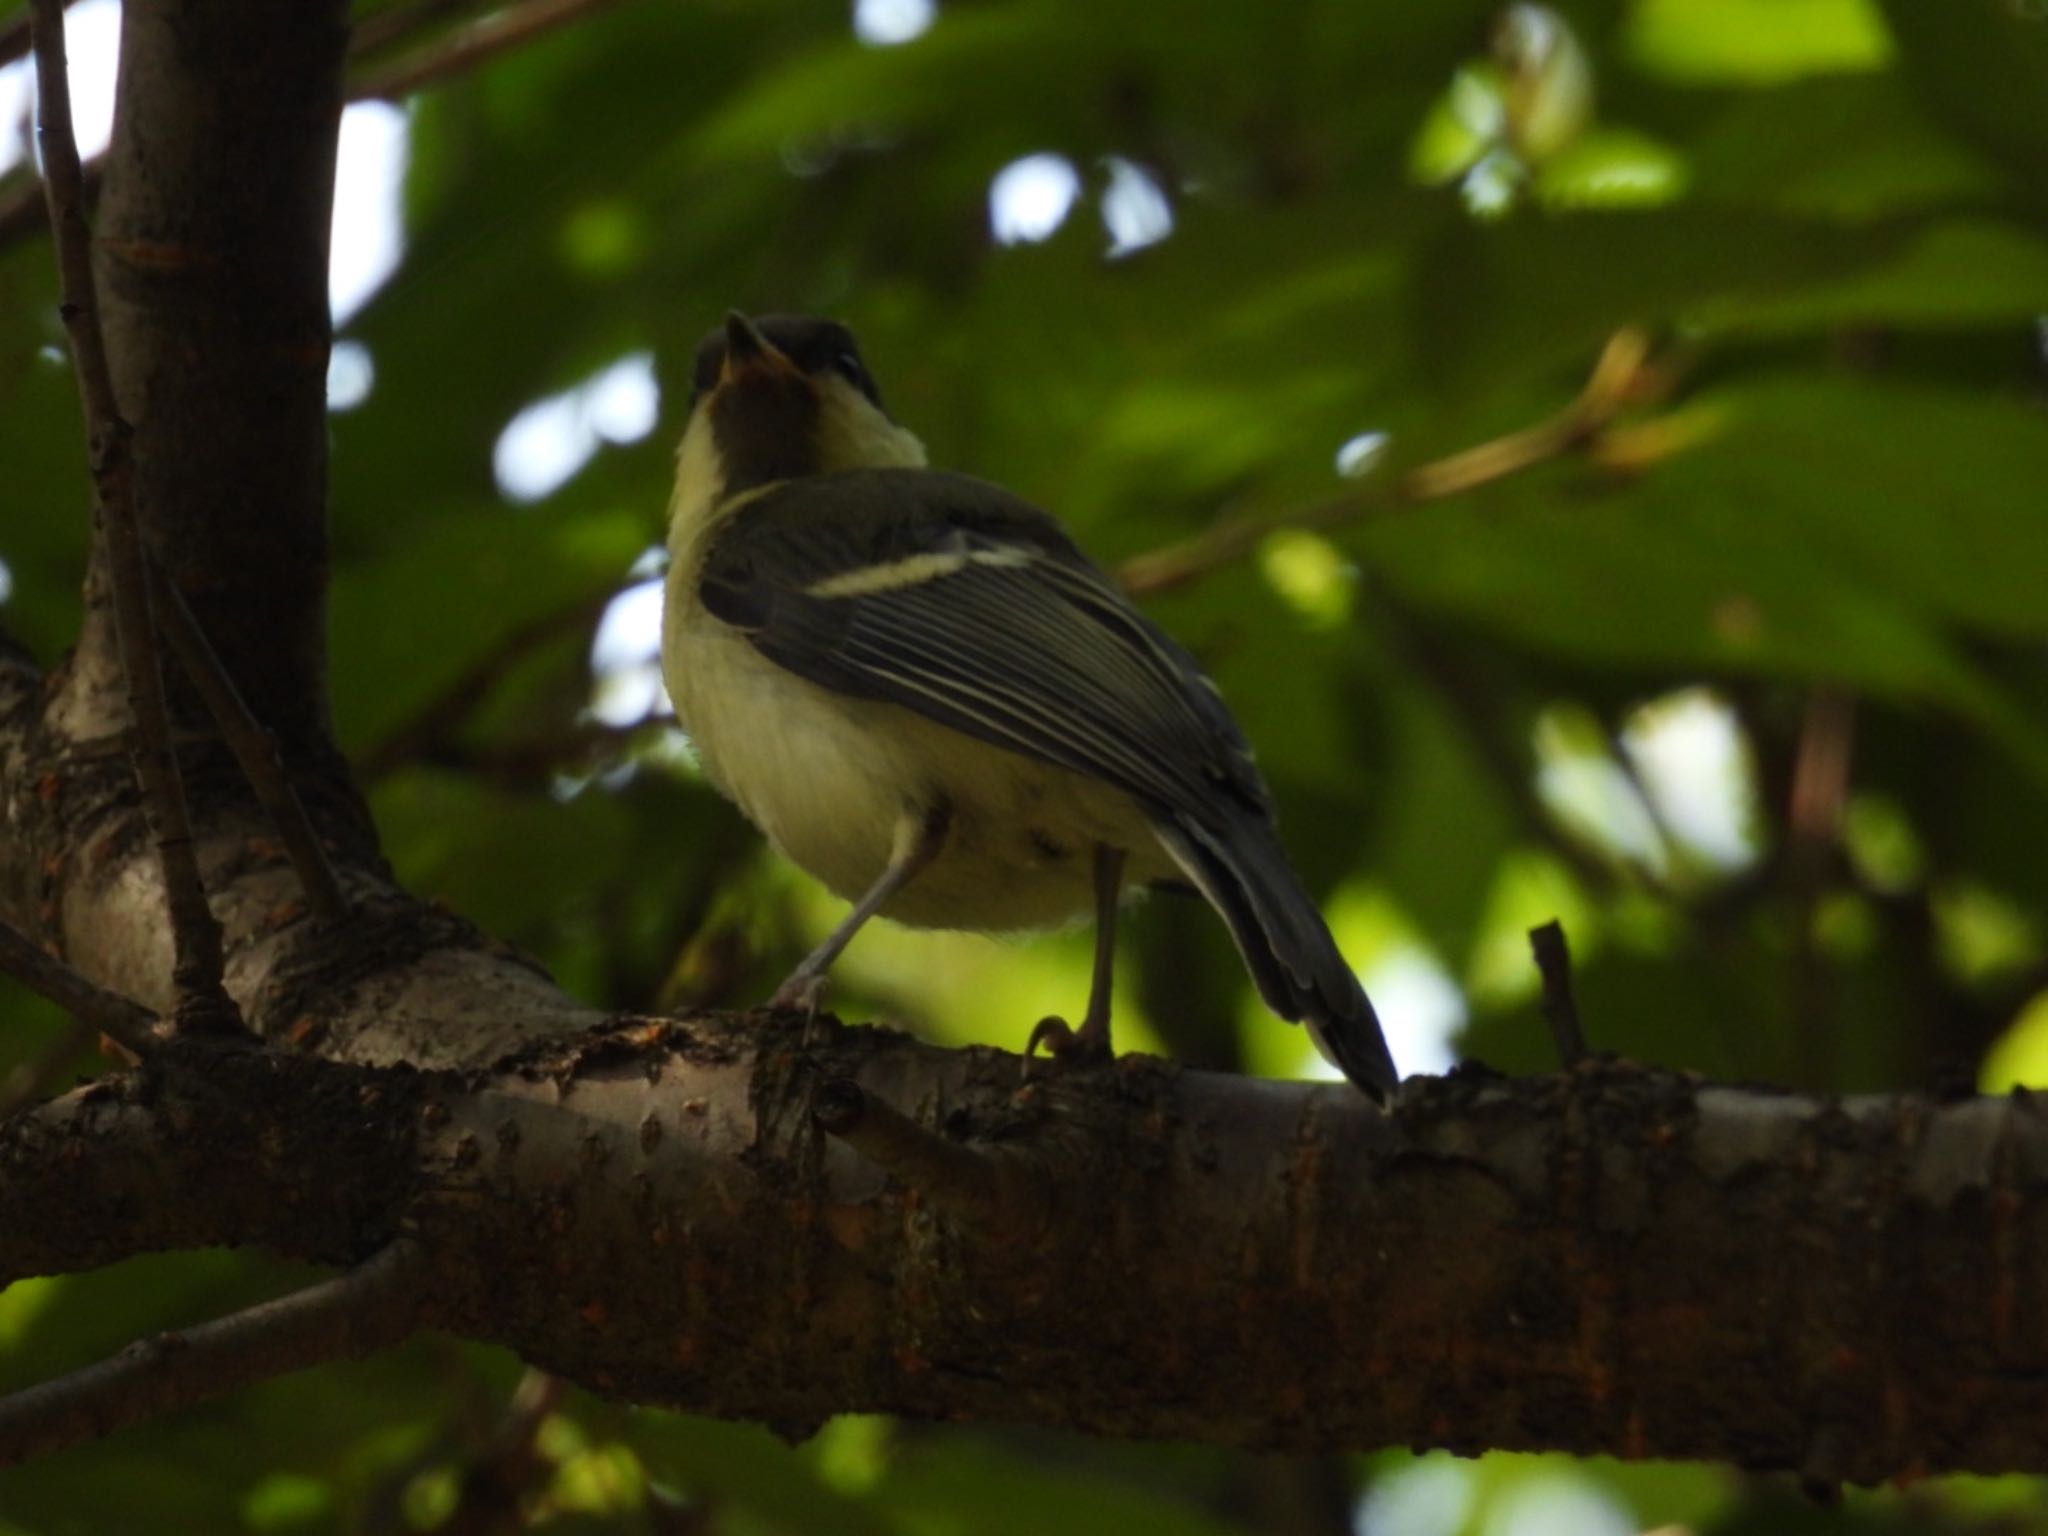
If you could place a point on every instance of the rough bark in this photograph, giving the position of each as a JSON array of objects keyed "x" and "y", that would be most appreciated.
[
  {"x": 1609, "y": 1260},
  {"x": 212, "y": 256}
]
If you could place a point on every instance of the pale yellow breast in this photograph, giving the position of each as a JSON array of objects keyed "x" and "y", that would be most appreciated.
[{"x": 827, "y": 778}]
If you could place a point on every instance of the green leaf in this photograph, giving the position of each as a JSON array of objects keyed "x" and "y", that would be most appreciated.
[
  {"x": 966, "y": 1483},
  {"x": 984, "y": 60},
  {"x": 1839, "y": 146},
  {"x": 1948, "y": 276},
  {"x": 1755, "y": 42},
  {"x": 1931, "y": 495},
  {"x": 1612, "y": 168},
  {"x": 1831, "y": 529},
  {"x": 408, "y": 625},
  {"x": 1533, "y": 292},
  {"x": 1982, "y": 67},
  {"x": 744, "y": 1465}
]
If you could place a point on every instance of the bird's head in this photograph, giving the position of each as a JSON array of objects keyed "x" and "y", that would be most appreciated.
[{"x": 778, "y": 397}]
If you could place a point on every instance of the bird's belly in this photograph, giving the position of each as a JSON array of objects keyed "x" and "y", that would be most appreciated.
[
  {"x": 1020, "y": 847},
  {"x": 828, "y": 778}
]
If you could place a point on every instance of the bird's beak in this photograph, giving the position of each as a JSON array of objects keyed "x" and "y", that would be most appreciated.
[{"x": 747, "y": 351}]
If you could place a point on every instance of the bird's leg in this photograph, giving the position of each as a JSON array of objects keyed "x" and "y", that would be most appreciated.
[
  {"x": 1091, "y": 1041},
  {"x": 919, "y": 837},
  {"x": 1092, "y": 1038}
]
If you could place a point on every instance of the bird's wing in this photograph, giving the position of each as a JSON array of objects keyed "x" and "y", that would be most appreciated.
[{"x": 954, "y": 599}]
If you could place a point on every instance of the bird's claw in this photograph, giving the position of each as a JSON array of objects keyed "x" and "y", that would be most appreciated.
[
  {"x": 800, "y": 994},
  {"x": 1070, "y": 1047}
]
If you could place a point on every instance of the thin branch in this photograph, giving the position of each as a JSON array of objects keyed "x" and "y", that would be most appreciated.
[
  {"x": 196, "y": 936},
  {"x": 255, "y": 749},
  {"x": 1560, "y": 1006},
  {"x": 399, "y": 24},
  {"x": 1622, "y": 376},
  {"x": 21, "y": 205},
  {"x": 1820, "y": 772},
  {"x": 496, "y": 1483},
  {"x": 119, "y": 1018},
  {"x": 469, "y": 47},
  {"x": 373, "y": 1306},
  {"x": 1813, "y": 825}
]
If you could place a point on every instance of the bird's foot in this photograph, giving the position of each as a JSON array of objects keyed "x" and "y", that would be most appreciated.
[
  {"x": 803, "y": 993},
  {"x": 1087, "y": 1046}
]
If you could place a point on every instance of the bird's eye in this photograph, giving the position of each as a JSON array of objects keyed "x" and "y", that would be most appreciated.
[{"x": 849, "y": 364}]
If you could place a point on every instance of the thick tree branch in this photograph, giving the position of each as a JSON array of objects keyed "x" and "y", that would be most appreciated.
[
  {"x": 372, "y": 1306},
  {"x": 213, "y": 225},
  {"x": 990, "y": 1192},
  {"x": 187, "y": 1153},
  {"x": 1611, "y": 1261}
]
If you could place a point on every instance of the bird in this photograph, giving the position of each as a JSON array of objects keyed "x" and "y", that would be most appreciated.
[{"x": 924, "y": 694}]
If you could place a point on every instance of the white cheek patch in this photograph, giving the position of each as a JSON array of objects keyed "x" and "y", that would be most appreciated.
[
  {"x": 854, "y": 434},
  {"x": 700, "y": 479}
]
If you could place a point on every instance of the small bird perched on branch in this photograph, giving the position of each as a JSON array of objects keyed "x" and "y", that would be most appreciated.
[{"x": 925, "y": 695}]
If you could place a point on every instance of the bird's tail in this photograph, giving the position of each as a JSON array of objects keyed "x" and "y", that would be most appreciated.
[{"x": 1242, "y": 870}]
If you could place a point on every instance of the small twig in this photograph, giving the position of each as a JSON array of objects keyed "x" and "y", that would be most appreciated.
[
  {"x": 994, "y": 1193},
  {"x": 1620, "y": 377},
  {"x": 498, "y": 1480},
  {"x": 255, "y": 749},
  {"x": 1607, "y": 389},
  {"x": 469, "y": 47},
  {"x": 196, "y": 939},
  {"x": 21, "y": 206},
  {"x": 670, "y": 1514},
  {"x": 398, "y": 24},
  {"x": 1820, "y": 1473},
  {"x": 1813, "y": 825},
  {"x": 373, "y": 1306},
  {"x": 1560, "y": 1007},
  {"x": 119, "y": 1018},
  {"x": 1820, "y": 772}
]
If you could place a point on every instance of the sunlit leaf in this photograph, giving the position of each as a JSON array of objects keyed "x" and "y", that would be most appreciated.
[{"x": 1756, "y": 42}]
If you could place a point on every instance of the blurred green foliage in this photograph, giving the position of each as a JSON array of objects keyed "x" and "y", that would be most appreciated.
[{"x": 1744, "y": 680}]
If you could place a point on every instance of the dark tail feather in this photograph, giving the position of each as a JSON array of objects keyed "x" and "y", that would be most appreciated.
[{"x": 1285, "y": 943}]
